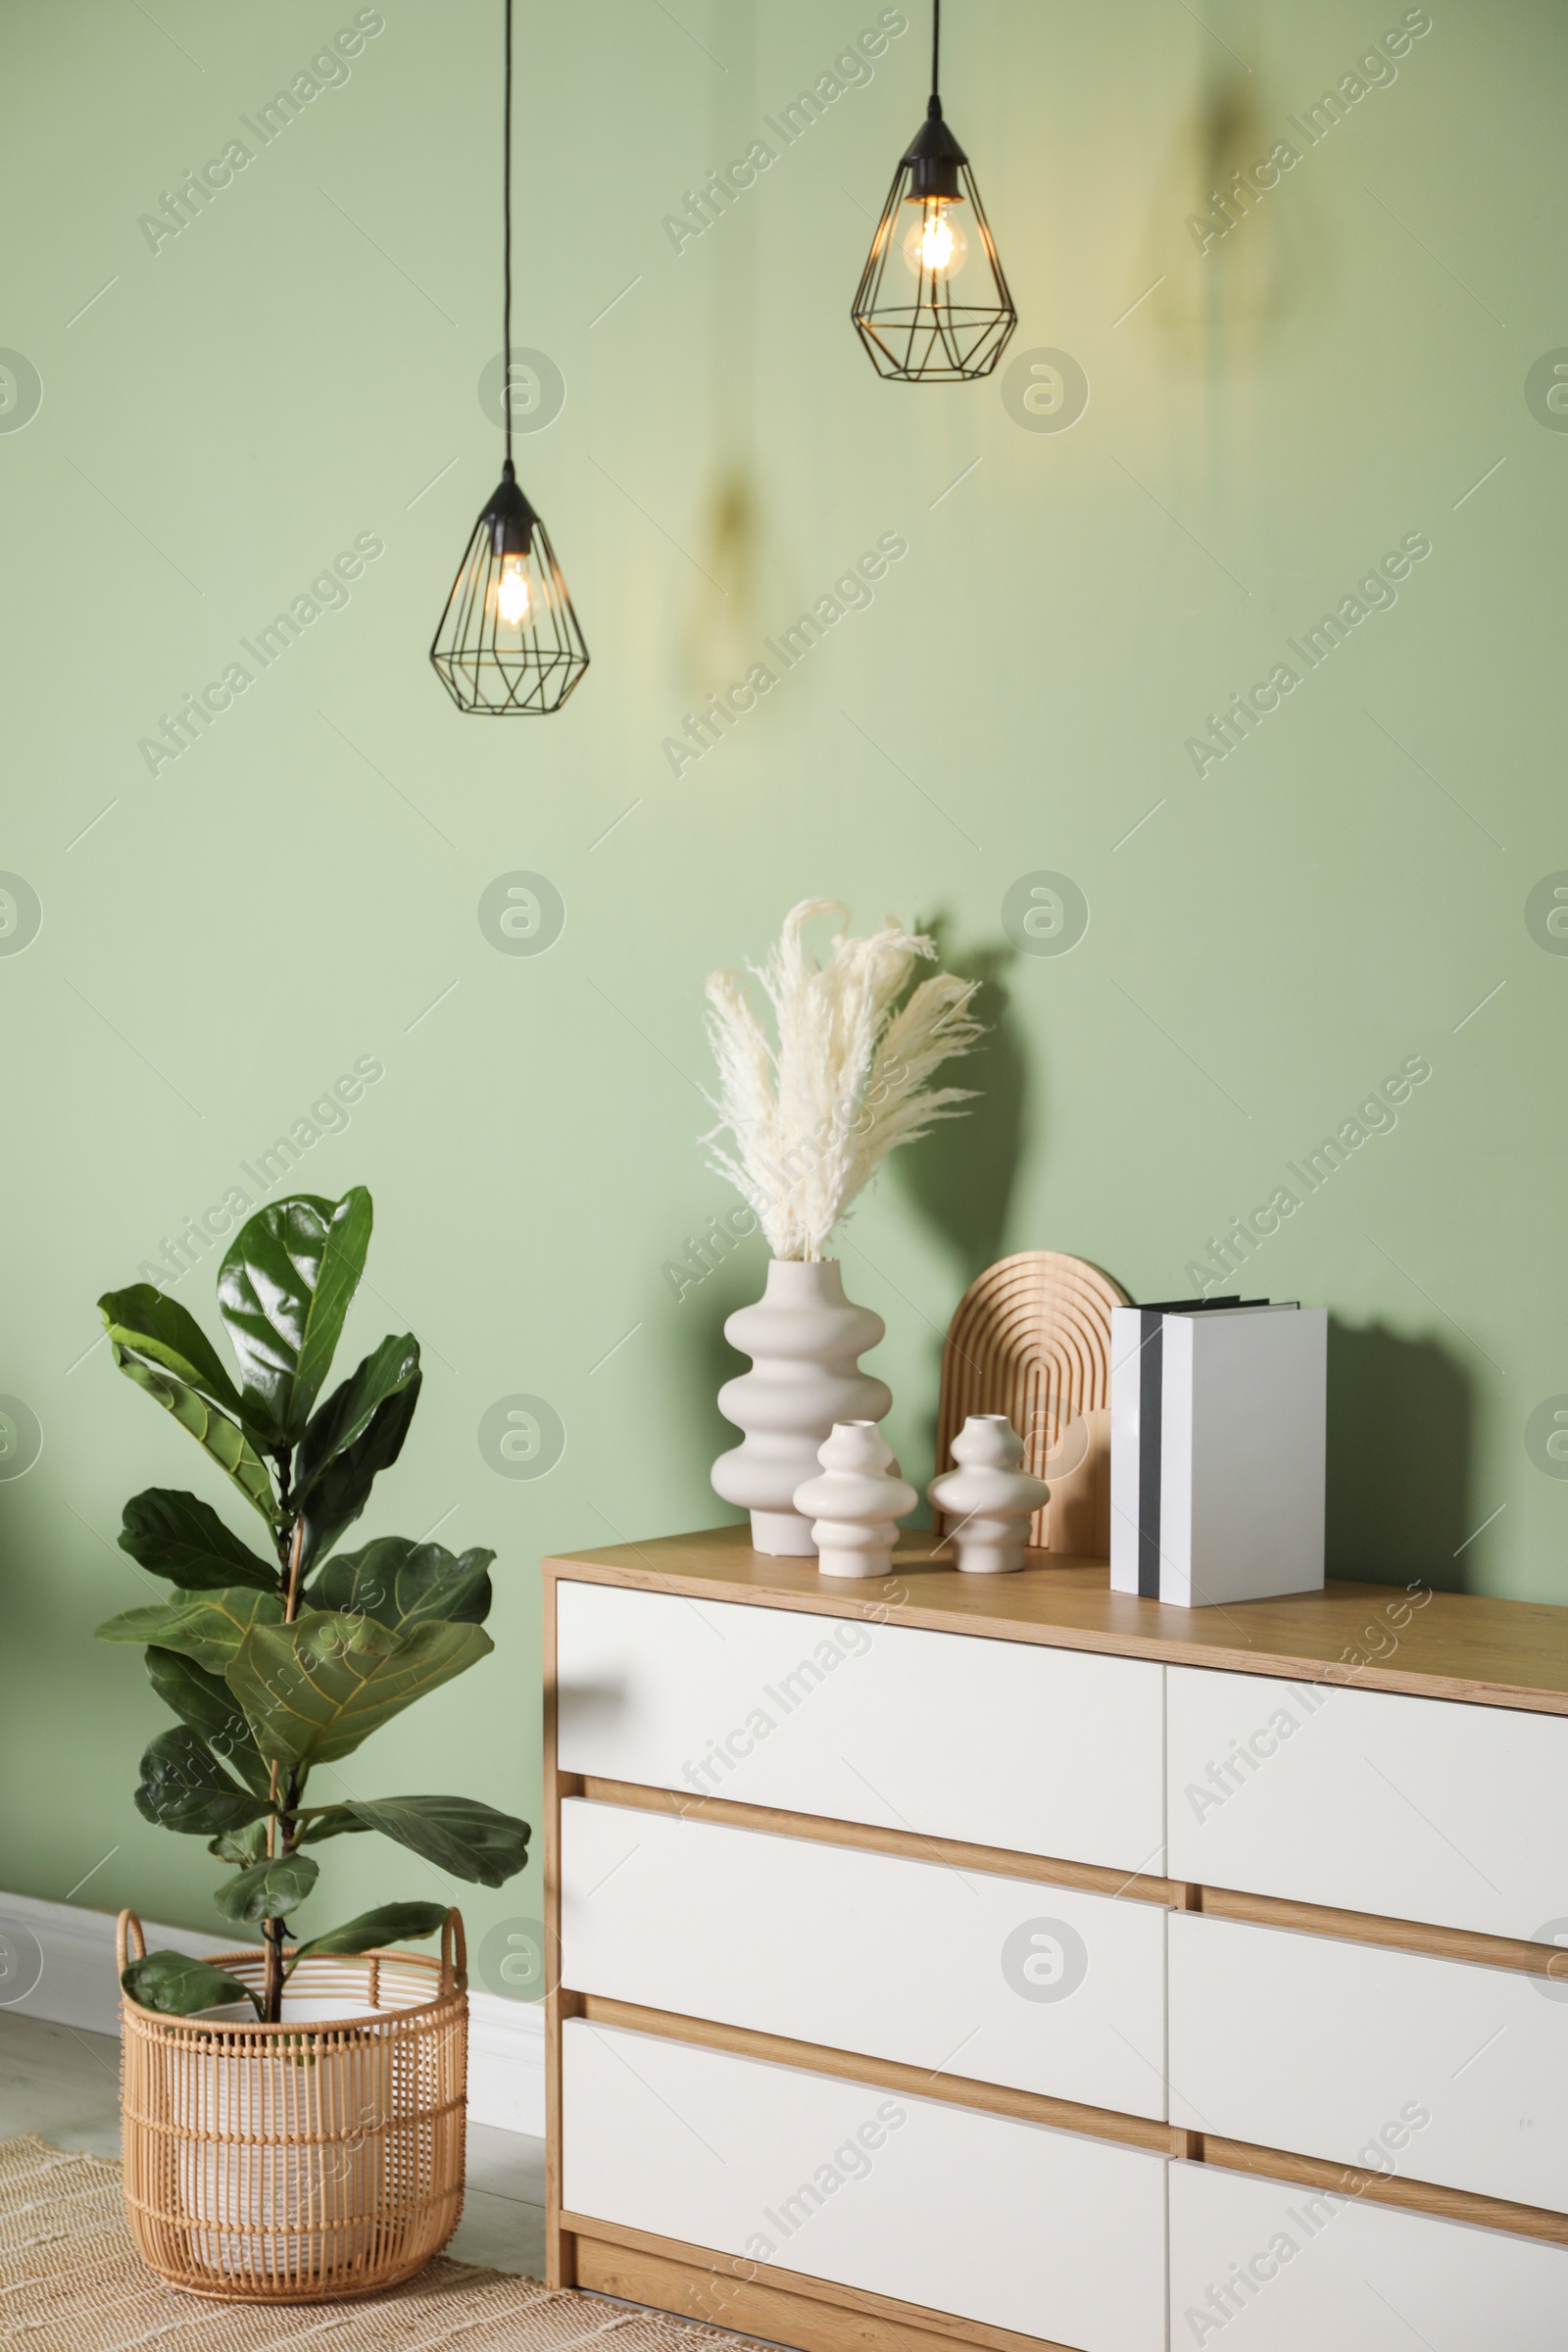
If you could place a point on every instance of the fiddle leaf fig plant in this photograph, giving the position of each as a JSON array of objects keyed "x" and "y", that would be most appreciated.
[{"x": 273, "y": 1658}]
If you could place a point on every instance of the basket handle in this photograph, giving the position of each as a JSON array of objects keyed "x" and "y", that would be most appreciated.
[
  {"x": 127, "y": 1931},
  {"x": 453, "y": 1953}
]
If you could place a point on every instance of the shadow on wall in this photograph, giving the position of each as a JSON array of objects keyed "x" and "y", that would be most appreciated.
[
  {"x": 1398, "y": 1458},
  {"x": 1233, "y": 244},
  {"x": 960, "y": 1176},
  {"x": 722, "y": 640},
  {"x": 724, "y": 628}
]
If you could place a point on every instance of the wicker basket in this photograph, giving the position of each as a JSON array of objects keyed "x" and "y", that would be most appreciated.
[{"x": 307, "y": 2161}]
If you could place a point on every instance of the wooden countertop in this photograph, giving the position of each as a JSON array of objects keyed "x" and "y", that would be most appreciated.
[{"x": 1499, "y": 1653}]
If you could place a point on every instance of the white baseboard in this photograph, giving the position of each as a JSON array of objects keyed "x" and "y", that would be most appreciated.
[
  {"x": 507, "y": 2063},
  {"x": 71, "y": 1953}
]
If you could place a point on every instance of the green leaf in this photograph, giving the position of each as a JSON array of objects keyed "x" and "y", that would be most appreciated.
[
  {"x": 268, "y": 1889},
  {"x": 404, "y": 1584},
  {"x": 245, "y": 1847},
  {"x": 178, "y": 1986},
  {"x": 144, "y": 1322},
  {"x": 348, "y": 1412},
  {"x": 181, "y": 1537},
  {"x": 344, "y": 1487},
  {"x": 208, "y": 1627},
  {"x": 206, "y": 1704},
  {"x": 358, "y": 1433},
  {"x": 457, "y": 1834},
  {"x": 394, "y": 1923},
  {"x": 184, "y": 1787},
  {"x": 314, "y": 1690},
  {"x": 284, "y": 1289},
  {"x": 328, "y": 1821},
  {"x": 223, "y": 1440}
]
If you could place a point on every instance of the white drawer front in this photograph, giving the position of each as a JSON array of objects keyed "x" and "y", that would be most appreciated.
[
  {"x": 1040, "y": 2231},
  {"x": 1047, "y": 1751},
  {"x": 959, "y": 1971},
  {"x": 1434, "y": 2069},
  {"x": 1418, "y": 1809},
  {"x": 1264, "y": 2265}
]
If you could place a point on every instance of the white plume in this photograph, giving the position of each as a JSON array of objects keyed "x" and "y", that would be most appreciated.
[{"x": 812, "y": 1117}]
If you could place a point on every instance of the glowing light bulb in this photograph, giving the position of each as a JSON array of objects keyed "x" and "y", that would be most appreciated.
[
  {"x": 511, "y": 592},
  {"x": 935, "y": 246},
  {"x": 936, "y": 241}
]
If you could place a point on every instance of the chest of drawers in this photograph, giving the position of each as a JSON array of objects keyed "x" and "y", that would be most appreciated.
[{"x": 1009, "y": 1962}]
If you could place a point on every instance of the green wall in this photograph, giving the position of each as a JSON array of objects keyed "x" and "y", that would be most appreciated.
[{"x": 297, "y": 893}]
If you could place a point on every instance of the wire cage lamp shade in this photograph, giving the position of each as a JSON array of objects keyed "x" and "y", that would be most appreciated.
[
  {"x": 509, "y": 641},
  {"x": 933, "y": 304}
]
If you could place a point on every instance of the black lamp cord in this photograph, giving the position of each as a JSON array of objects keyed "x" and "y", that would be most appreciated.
[
  {"x": 506, "y": 300},
  {"x": 935, "y": 107}
]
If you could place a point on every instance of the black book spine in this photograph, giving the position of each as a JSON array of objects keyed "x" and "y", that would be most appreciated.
[{"x": 1151, "y": 1395}]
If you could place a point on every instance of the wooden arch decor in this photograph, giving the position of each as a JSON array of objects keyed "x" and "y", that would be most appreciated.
[{"x": 1031, "y": 1339}]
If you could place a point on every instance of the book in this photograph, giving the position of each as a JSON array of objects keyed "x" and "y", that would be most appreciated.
[{"x": 1218, "y": 1439}]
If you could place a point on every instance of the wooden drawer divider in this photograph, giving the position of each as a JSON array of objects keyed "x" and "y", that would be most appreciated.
[
  {"x": 1066, "y": 2115},
  {"x": 1175, "y": 1894}
]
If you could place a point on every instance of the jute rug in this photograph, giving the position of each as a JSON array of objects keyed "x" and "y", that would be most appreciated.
[{"x": 71, "y": 2282}]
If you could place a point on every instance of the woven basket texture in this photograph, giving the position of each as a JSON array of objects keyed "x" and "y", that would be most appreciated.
[{"x": 320, "y": 2157}]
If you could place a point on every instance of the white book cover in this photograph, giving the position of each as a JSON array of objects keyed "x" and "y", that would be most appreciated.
[{"x": 1218, "y": 1445}]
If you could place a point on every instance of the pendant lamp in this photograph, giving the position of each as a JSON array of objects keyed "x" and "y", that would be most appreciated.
[
  {"x": 508, "y": 643},
  {"x": 933, "y": 305}
]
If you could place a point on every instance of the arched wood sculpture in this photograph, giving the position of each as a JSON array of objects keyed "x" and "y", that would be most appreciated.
[{"x": 1031, "y": 1339}]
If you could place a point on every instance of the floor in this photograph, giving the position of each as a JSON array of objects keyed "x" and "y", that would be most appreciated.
[{"x": 65, "y": 2086}]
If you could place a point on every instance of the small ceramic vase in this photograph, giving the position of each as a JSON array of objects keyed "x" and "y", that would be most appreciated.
[
  {"x": 804, "y": 1340},
  {"x": 988, "y": 1501},
  {"x": 856, "y": 1504}
]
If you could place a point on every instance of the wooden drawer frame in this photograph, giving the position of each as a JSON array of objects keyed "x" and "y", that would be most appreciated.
[
  {"x": 714, "y": 1919},
  {"x": 1308, "y": 1637}
]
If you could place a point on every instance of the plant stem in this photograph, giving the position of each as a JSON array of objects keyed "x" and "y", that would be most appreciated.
[
  {"x": 273, "y": 1985},
  {"x": 281, "y": 1824},
  {"x": 291, "y": 1599}
]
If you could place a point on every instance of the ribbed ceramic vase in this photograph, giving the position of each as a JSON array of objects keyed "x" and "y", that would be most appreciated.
[
  {"x": 805, "y": 1341},
  {"x": 989, "y": 1499},
  {"x": 856, "y": 1502}
]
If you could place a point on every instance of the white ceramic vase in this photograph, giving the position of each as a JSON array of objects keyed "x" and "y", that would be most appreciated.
[
  {"x": 857, "y": 1502},
  {"x": 987, "y": 1499},
  {"x": 805, "y": 1341}
]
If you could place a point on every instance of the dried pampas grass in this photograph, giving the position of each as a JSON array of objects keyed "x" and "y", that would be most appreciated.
[{"x": 812, "y": 1118}]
